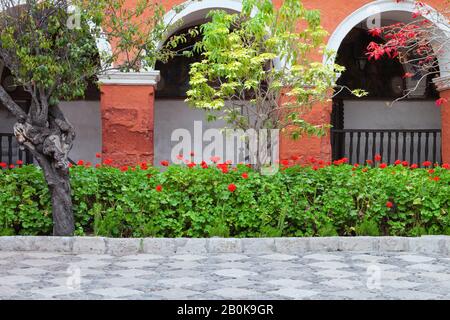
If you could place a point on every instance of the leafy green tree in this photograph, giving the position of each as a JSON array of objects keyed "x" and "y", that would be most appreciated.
[
  {"x": 260, "y": 70},
  {"x": 50, "y": 48}
]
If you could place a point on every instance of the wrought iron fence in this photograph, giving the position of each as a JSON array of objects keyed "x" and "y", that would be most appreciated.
[{"x": 10, "y": 151}]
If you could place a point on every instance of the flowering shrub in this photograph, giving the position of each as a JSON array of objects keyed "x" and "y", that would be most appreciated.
[{"x": 199, "y": 200}]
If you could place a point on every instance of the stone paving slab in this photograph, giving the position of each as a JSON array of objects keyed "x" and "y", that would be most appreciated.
[
  {"x": 270, "y": 246},
  {"x": 225, "y": 275}
]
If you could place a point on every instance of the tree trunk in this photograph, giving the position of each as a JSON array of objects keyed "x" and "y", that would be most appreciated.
[
  {"x": 59, "y": 185},
  {"x": 50, "y": 145}
]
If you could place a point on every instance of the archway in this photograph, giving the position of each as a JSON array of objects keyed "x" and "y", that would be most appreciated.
[
  {"x": 408, "y": 130},
  {"x": 170, "y": 111}
]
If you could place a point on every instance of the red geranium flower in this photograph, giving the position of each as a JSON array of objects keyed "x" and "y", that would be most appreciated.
[
  {"x": 383, "y": 165},
  {"x": 97, "y": 165},
  {"x": 124, "y": 168},
  {"x": 11, "y": 166},
  {"x": 3, "y": 165},
  {"x": 98, "y": 155},
  {"x": 414, "y": 166},
  {"x": 285, "y": 162},
  {"x": 80, "y": 162},
  {"x": 245, "y": 175},
  {"x": 377, "y": 157},
  {"x": 191, "y": 164},
  {"x": 436, "y": 178},
  {"x": 446, "y": 166},
  {"x": 427, "y": 163},
  {"x": 19, "y": 162},
  {"x": 215, "y": 159},
  {"x": 232, "y": 187},
  {"x": 389, "y": 204},
  {"x": 159, "y": 188},
  {"x": 144, "y": 166},
  {"x": 165, "y": 163},
  {"x": 405, "y": 163},
  {"x": 431, "y": 171},
  {"x": 369, "y": 162},
  {"x": 107, "y": 162},
  {"x": 397, "y": 162}
]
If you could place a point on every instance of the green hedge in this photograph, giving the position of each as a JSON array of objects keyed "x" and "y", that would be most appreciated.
[{"x": 197, "y": 202}]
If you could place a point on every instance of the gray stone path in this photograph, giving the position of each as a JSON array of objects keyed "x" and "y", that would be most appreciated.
[{"x": 318, "y": 275}]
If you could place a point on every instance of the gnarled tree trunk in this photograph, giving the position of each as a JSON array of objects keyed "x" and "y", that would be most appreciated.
[{"x": 50, "y": 138}]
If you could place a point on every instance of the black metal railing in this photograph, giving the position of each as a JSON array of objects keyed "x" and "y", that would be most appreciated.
[
  {"x": 412, "y": 145},
  {"x": 10, "y": 151}
]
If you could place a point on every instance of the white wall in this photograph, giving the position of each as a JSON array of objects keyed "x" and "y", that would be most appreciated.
[
  {"x": 365, "y": 114},
  {"x": 171, "y": 115},
  {"x": 86, "y": 118}
]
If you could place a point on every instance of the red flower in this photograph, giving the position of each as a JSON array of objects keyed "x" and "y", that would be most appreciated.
[
  {"x": 295, "y": 158},
  {"x": 285, "y": 162},
  {"x": 164, "y": 163},
  {"x": 70, "y": 165},
  {"x": 344, "y": 160},
  {"x": 191, "y": 164},
  {"x": 98, "y": 155},
  {"x": 431, "y": 171},
  {"x": 19, "y": 162},
  {"x": 11, "y": 166},
  {"x": 375, "y": 32},
  {"x": 405, "y": 163},
  {"x": 414, "y": 166},
  {"x": 215, "y": 159},
  {"x": 232, "y": 187},
  {"x": 397, "y": 162},
  {"x": 436, "y": 178},
  {"x": 427, "y": 163},
  {"x": 377, "y": 157},
  {"x": 356, "y": 165},
  {"x": 98, "y": 165},
  {"x": 245, "y": 175},
  {"x": 440, "y": 101},
  {"x": 80, "y": 162},
  {"x": 389, "y": 204},
  {"x": 204, "y": 165},
  {"x": 159, "y": 188},
  {"x": 124, "y": 168},
  {"x": 3, "y": 165},
  {"x": 446, "y": 166},
  {"x": 383, "y": 165},
  {"x": 144, "y": 166},
  {"x": 312, "y": 160},
  {"x": 369, "y": 162},
  {"x": 107, "y": 162},
  {"x": 315, "y": 168}
]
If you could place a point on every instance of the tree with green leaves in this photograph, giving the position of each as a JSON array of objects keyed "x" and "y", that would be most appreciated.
[
  {"x": 258, "y": 69},
  {"x": 50, "y": 48}
]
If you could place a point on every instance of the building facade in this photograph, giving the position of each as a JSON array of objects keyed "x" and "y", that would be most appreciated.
[{"x": 131, "y": 116}]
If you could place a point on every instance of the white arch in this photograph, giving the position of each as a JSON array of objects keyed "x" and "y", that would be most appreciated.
[
  {"x": 378, "y": 7},
  {"x": 190, "y": 7}
]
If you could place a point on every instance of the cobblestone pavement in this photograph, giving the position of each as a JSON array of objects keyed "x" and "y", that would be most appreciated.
[{"x": 334, "y": 275}]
